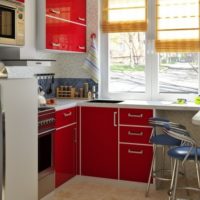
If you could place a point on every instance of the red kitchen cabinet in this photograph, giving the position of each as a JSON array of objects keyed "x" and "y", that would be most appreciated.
[
  {"x": 21, "y": 1},
  {"x": 65, "y": 154},
  {"x": 62, "y": 35},
  {"x": 99, "y": 142},
  {"x": 135, "y": 150},
  {"x": 72, "y": 10},
  {"x": 65, "y": 145},
  {"x": 61, "y": 25},
  {"x": 135, "y": 162}
]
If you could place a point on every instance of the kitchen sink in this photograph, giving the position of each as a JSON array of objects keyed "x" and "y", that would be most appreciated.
[{"x": 104, "y": 101}]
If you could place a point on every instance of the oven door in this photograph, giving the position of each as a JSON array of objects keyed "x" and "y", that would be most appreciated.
[
  {"x": 7, "y": 25},
  {"x": 45, "y": 153}
]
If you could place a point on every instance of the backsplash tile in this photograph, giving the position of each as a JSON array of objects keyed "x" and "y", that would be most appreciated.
[{"x": 74, "y": 82}]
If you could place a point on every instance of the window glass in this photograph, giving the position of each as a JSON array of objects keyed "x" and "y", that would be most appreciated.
[
  {"x": 127, "y": 62},
  {"x": 178, "y": 73}
]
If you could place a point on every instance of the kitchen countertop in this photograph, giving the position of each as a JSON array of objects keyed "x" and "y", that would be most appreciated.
[{"x": 160, "y": 105}]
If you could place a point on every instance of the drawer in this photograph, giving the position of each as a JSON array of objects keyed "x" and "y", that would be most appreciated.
[
  {"x": 135, "y": 116},
  {"x": 135, "y": 162},
  {"x": 135, "y": 134},
  {"x": 65, "y": 117}
]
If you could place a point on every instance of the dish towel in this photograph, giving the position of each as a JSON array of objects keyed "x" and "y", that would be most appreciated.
[{"x": 91, "y": 61}]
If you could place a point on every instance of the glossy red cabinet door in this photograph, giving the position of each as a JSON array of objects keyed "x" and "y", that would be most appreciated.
[
  {"x": 73, "y": 10},
  {"x": 65, "y": 154},
  {"x": 21, "y": 1},
  {"x": 99, "y": 144},
  {"x": 135, "y": 162},
  {"x": 61, "y": 35}
]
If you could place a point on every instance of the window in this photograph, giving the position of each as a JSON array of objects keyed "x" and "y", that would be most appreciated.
[
  {"x": 160, "y": 61},
  {"x": 127, "y": 62}
]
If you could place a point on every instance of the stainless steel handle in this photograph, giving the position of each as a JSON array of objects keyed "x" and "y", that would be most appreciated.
[
  {"x": 81, "y": 19},
  {"x": 55, "y": 11},
  {"x": 46, "y": 132},
  {"x": 67, "y": 114},
  {"x": 81, "y": 47},
  {"x": 136, "y": 133},
  {"x": 135, "y": 152},
  {"x": 55, "y": 44},
  {"x": 136, "y": 116},
  {"x": 115, "y": 119}
]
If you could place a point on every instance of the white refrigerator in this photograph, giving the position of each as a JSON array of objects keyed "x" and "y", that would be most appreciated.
[{"x": 18, "y": 139}]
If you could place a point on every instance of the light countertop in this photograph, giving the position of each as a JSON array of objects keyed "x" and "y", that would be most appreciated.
[{"x": 160, "y": 105}]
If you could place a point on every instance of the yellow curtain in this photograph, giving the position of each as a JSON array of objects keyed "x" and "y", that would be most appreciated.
[
  {"x": 124, "y": 16},
  {"x": 177, "y": 26}
]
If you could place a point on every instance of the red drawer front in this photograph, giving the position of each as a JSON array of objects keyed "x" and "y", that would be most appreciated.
[
  {"x": 135, "y": 116},
  {"x": 65, "y": 117},
  {"x": 135, "y": 134},
  {"x": 135, "y": 162}
]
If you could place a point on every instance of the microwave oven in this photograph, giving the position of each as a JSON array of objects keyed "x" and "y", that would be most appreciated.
[{"x": 12, "y": 23}]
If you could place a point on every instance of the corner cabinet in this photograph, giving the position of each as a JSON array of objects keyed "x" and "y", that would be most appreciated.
[{"x": 61, "y": 25}]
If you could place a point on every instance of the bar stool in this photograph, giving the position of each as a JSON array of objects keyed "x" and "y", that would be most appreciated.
[
  {"x": 164, "y": 141},
  {"x": 188, "y": 151}
]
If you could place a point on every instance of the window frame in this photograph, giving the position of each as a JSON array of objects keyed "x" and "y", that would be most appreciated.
[{"x": 151, "y": 68}]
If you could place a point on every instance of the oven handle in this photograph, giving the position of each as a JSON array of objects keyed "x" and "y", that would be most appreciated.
[{"x": 46, "y": 132}]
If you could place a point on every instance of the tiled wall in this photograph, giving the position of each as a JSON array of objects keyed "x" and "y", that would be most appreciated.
[{"x": 74, "y": 82}]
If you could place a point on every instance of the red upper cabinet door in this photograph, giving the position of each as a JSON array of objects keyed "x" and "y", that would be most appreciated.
[
  {"x": 65, "y": 154},
  {"x": 21, "y": 1},
  {"x": 99, "y": 144},
  {"x": 72, "y": 10},
  {"x": 61, "y": 35}
]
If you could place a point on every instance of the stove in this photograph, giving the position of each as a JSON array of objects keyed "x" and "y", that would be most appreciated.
[{"x": 46, "y": 130}]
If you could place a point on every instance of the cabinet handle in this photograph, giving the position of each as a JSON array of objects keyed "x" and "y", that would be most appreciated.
[
  {"x": 115, "y": 119},
  {"x": 136, "y": 116},
  {"x": 135, "y": 152},
  {"x": 81, "y": 19},
  {"x": 136, "y": 133},
  {"x": 55, "y": 11},
  {"x": 67, "y": 114},
  {"x": 55, "y": 44},
  {"x": 81, "y": 47}
]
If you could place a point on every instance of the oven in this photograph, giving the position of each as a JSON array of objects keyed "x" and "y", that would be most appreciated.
[
  {"x": 46, "y": 130},
  {"x": 12, "y": 24}
]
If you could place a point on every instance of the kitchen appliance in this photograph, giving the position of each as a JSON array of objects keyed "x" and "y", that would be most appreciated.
[
  {"x": 12, "y": 24},
  {"x": 18, "y": 139},
  {"x": 46, "y": 130}
]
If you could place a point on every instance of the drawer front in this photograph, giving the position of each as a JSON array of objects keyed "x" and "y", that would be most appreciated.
[
  {"x": 135, "y": 162},
  {"x": 135, "y": 134},
  {"x": 65, "y": 117},
  {"x": 135, "y": 116}
]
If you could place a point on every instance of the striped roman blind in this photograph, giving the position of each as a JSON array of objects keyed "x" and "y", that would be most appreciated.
[
  {"x": 124, "y": 16},
  {"x": 177, "y": 26}
]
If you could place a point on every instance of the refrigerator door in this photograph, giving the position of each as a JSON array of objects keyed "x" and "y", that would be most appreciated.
[{"x": 19, "y": 103}]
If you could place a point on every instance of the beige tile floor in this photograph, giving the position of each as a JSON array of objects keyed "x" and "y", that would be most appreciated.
[{"x": 89, "y": 188}]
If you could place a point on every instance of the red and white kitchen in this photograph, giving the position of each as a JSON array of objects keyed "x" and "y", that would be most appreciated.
[{"x": 99, "y": 99}]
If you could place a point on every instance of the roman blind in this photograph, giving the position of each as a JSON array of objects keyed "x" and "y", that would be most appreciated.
[
  {"x": 177, "y": 26},
  {"x": 124, "y": 16}
]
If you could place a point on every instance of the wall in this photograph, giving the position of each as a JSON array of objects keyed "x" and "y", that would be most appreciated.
[{"x": 68, "y": 65}]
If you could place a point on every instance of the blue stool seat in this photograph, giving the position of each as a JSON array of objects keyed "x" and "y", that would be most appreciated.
[
  {"x": 164, "y": 140},
  {"x": 180, "y": 152}
]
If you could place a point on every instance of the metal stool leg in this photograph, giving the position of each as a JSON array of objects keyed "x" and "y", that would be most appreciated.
[
  {"x": 151, "y": 170},
  {"x": 163, "y": 163},
  {"x": 197, "y": 170},
  {"x": 175, "y": 180}
]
